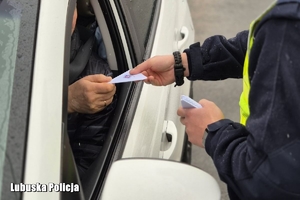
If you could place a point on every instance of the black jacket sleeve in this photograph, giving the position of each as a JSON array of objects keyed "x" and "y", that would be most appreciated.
[
  {"x": 262, "y": 159},
  {"x": 218, "y": 58}
]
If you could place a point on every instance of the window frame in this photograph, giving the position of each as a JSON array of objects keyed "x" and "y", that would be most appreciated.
[{"x": 141, "y": 52}]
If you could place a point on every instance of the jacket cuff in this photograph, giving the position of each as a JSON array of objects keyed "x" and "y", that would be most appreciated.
[
  {"x": 194, "y": 61},
  {"x": 212, "y": 129}
]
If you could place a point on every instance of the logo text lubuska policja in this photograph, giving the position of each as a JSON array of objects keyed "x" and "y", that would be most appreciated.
[{"x": 39, "y": 187}]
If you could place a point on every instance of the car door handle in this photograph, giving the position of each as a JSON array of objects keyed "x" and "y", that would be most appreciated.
[
  {"x": 184, "y": 35},
  {"x": 171, "y": 134}
]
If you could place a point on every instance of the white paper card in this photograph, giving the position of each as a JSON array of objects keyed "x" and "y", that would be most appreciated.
[
  {"x": 187, "y": 102},
  {"x": 127, "y": 77}
]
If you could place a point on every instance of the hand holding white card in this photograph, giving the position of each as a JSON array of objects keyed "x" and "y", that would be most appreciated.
[
  {"x": 127, "y": 77},
  {"x": 187, "y": 102}
]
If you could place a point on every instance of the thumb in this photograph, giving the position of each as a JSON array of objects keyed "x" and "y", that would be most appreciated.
[
  {"x": 140, "y": 68},
  {"x": 205, "y": 102},
  {"x": 98, "y": 78}
]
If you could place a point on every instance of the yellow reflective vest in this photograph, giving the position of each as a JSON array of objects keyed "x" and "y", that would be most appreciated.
[{"x": 244, "y": 103}]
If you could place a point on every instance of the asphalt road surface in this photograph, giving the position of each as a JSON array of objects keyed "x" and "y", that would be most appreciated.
[{"x": 221, "y": 17}]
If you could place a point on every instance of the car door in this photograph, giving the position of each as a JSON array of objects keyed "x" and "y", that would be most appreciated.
[
  {"x": 184, "y": 35},
  {"x": 138, "y": 30},
  {"x": 157, "y": 28},
  {"x": 47, "y": 140},
  {"x": 132, "y": 32},
  {"x": 34, "y": 40}
]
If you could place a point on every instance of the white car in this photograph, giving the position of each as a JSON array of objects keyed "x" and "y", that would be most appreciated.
[{"x": 146, "y": 141}]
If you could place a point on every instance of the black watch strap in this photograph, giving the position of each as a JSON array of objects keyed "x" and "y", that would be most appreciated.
[{"x": 178, "y": 69}]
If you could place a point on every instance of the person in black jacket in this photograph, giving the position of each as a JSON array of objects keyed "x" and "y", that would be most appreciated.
[
  {"x": 91, "y": 101},
  {"x": 258, "y": 158}
]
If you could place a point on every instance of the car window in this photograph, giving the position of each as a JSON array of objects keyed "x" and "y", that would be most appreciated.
[
  {"x": 17, "y": 36},
  {"x": 139, "y": 17}
]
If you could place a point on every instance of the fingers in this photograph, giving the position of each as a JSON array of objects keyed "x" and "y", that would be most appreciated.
[
  {"x": 104, "y": 88},
  {"x": 181, "y": 112},
  {"x": 151, "y": 80},
  {"x": 100, "y": 104},
  {"x": 88, "y": 97},
  {"x": 98, "y": 83},
  {"x": 141, "y": 68},
  {"x": 106, "y": 102},
  {"x": 183, "y": 120},
  {"x": 105, "y": 93},
  {"x": 184, "y": 113},
  {"x": 98, "y": 78}
]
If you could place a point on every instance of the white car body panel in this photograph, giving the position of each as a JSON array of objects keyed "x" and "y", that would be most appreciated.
[
  {"x": 164, "y": 180},
  {"x": 45, "y": 125},
  {"x": 145, "y": 137},
  {"x": 184, "y": 26}
]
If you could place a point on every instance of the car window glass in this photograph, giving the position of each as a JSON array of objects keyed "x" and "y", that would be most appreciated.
[
  {"x": 18, "y": 23},
  {"x": 10, "y": 24},
  {"x": 139, "y": 18}
]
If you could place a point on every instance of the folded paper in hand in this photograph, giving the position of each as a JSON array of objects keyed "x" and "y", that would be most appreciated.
[
  {"x": 187, "y": 102},
  {"x": 127, "y": 77}
]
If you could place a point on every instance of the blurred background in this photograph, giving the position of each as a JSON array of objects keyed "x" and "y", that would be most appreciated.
[{"x": 221, "y": 17}]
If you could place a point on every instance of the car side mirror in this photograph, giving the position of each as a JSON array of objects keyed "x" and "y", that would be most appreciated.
[{"x": 148, "y": 179}]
